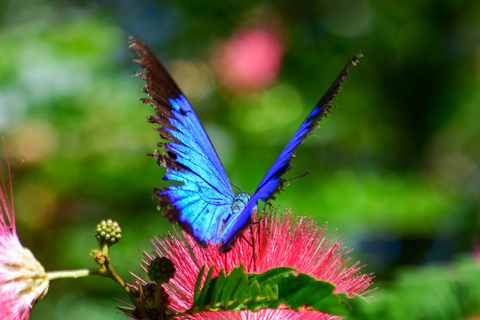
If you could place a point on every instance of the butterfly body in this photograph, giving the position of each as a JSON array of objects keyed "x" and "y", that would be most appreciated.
[
  {"x": 205, "y": 205},
  {"x": 239, "y": 202}
]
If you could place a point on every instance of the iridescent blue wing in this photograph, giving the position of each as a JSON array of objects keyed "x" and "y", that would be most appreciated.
[
  {"x": 203, "y": 201},
  {"x": 273, "y": 182}
]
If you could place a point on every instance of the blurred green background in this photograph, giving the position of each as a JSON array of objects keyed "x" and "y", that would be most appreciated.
[{"x": 395, "y": 169}]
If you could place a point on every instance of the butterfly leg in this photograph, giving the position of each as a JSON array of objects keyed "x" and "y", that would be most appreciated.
[
  {"x": 252, "y": 244},
  {"x": 253, "y": 249}
]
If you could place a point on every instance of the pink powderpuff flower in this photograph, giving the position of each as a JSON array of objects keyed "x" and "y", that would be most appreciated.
[
  {"x": 292, "y": 241},
  {"x": 250, "y": 60},
  {"x": 23, "y": 280}
]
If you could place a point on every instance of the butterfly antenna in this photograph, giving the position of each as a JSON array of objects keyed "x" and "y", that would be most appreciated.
[
  {"x": 237, "y": 187},
  {"x": 300, "y": 176}
]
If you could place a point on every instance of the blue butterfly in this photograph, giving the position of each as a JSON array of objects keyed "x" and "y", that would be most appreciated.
[{"x": 205, "y": 205}]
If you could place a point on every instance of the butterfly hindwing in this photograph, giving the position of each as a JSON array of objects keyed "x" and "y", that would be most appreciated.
[{"x": 203, "y": 201}]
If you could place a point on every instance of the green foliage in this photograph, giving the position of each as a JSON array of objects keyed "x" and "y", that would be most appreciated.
[
  {"x": 441, "y": 292},
  {"x": 279, "y": 287}
]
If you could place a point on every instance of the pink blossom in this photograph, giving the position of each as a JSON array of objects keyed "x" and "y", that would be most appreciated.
[
  {"x": 292, "y": 241},
  {"x": 250, "y": 60},
  {"x": 23, "y": 280}
]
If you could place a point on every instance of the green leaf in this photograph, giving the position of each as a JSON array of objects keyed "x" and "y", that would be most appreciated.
[
  {"x": 272, "y": 275},
  {"x": 234, "y": 283},
  {"x": 200, "y": 298},
  {"x": 217, "y": 287},
  {"x": 306, "y": 291},
  {"x": 268, "y": 284},
  {"x": 334, "y": 304},
  {"x": 241, "y": 291},
  {"x": 280, "y": 286},
  {"x": 196, "y": 290}
]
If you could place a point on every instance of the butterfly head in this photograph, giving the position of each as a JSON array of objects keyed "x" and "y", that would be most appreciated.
[
  {"x": 239, "y": 202},
  {"x": 236, "y": 222}
]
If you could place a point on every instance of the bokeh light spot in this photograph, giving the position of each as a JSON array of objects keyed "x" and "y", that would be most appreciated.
[
  {"x": 349, "y": 18},
  {"x": 250, "y": 60},
  {"x": 37, "y": 204},
  {"x": 194, "y": 78},
  {"x": 34, "y": 141},
  {"x": 270, "y": 110}
]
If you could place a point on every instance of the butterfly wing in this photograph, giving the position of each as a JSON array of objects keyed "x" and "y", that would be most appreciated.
[
  {"x": 273, "y": 182},
  {"x": 203, "y": 202}
]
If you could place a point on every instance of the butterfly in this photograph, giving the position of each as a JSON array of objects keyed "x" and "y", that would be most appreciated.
[{"x": 204, "y": 205}]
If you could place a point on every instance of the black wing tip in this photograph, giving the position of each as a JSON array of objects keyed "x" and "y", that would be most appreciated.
[
  {"x": 135, "y": 44},
  {"x": 353, "y": 62},
  {"x": 160, "y": 87},
  {"x": 356, "y": 58},
  {"x": 336, "y": 87},
  {"x": 140, "y": 49}
]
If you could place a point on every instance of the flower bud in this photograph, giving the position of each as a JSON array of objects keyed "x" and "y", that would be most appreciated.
[
  {"x": 108, "y": 232},
  {"x": 161, "y": 270}
]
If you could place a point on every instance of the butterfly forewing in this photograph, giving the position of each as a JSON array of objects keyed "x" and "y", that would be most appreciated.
[
  {"x": 195, "y": 150},
  {"x": 204, "y": 199},
  {"x": 273, "y": 181}
]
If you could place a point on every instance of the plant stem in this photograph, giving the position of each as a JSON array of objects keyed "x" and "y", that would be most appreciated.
[
  {"x": 111, "y": 272},
  {"x": 79, "y": 273}
]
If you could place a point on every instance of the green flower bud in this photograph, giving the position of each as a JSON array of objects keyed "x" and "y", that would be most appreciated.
[
  {"x": 109, "y": 232},
  {"x": 161, "y": 270}
]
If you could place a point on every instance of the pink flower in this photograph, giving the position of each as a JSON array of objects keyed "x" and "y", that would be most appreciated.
[
  {"x": 250, "y": 60},
  {"x": 23, "y": 280},
  {"x": 292, "y": 241}
]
